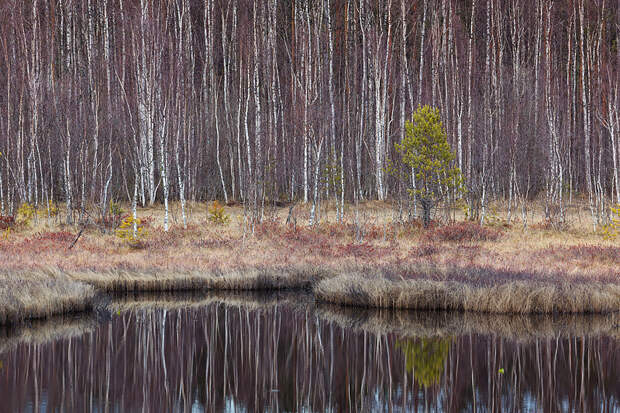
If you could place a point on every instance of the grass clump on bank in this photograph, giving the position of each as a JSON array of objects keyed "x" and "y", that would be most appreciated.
[
  {"x": 517, "y": 296},
  {"x": 275, "y": 278},
  {"x": 32, "y": 295}
]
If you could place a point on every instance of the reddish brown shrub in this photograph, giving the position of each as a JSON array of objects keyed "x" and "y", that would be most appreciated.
[
  {"x": 162, "y": 240},
  {"x": 147, "y": 221},
  {"x": 212, "y": 243},
  {"x": 585, "y": 253},
  {"x": 109, "y": 222},
  {"x": 334, "y": 229},
  {"x": 6, "y": 222},
  {"x": 462, "y": 232},
  {"x": 424, "y": 250},
  {"x": 363, "y": 250},
  {"x": 268, "y": 229},
  {"x": 60, "y": 236}
]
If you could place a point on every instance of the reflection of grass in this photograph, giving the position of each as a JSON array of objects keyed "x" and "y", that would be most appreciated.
[
  {"x": 425, "y": 324},
  {"x": 45, "y": 331},
  {"x": 425, "y": 358}
]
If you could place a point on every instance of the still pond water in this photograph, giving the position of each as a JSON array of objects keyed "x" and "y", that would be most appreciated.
[{"x": 283, "y": 352}]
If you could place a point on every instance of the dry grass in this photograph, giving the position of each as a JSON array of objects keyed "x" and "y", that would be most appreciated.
[
  {"x": 502, "y": 258},
  {"x": 41, "y": 295},
  {"x": 576, "y": 253},
  {"x": 518, "y": 297},
  {"x": 275, "y": 278}
]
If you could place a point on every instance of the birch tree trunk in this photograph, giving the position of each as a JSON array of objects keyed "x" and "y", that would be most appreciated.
[
  {"x": 209, "y": 37},
  {"x": 67, "y": 175},
  {"x": 164, "y": 165},
  {"x": 470, "y": 119},
  {"x": 421, "y": 73},
  {"x": 612, "y": 123},
  {"x": 586, "y": 111},
  {"x": 256, "y": 85},
  {"x": 332, "y": 106},
  {"x": 145, "y": 103}
]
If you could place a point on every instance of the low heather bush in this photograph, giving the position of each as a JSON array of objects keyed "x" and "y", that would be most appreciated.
[
  {"x": 363, "y": 250},
  {"x": 7, "y": 222},
  {"x": 60, "y": 236},
  {"x": 462, "y": 232},
  {"x": 210, "y": 243},
  {"x": 585, "y": 252},
  {"x": 424, "y": 250},
  {"x": 43, "y": 242}
]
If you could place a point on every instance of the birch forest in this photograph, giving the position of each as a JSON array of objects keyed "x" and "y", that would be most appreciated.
[{"x": 258, "y": 101}]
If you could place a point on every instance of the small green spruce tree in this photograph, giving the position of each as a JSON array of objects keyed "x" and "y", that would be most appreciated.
[{"x": 425, "y": 151}]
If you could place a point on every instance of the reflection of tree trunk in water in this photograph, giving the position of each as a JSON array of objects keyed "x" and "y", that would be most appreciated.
[
  {"x": 582, "y": 394},
  {"x": 219, "y": 356},
  {"x": 473, "y": 377}
]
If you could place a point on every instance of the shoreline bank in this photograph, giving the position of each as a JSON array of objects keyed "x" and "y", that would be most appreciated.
[
  {"x": 378, "y": 321},
  {"x": 42, "y": 294}
]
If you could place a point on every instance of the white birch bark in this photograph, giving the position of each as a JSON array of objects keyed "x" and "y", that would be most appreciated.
[
  {"x": 67, "y": 175},
  {"x": 381, "y": 102},
  {"x": 611, "y": 121},
  {"x": 145, "y": 100},
  {"x": 256, "y": 87},
  {"x": 181, "y": 168},
  {"x": 470, "y": 119},
  {"x": 586, "y": 110},
  {"x": 250, "y": 171},
  {"x": 421, "y": 73},
  {"x": 209, "y": 37},
  {"x": 317, "y": 148},
  {"x": 363, "y": 114},
  {"x": 306, "y": 50},
  {"x": 94, "y": 96},
  {"x": 554, "y": 169},
  {"x": 332, "y": 106}
]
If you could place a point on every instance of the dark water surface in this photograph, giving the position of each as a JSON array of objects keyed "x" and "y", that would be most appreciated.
[{"x": 256, "y": 353}]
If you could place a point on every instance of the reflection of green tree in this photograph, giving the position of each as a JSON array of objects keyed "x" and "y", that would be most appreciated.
[{"x": 425, "y": 357}]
